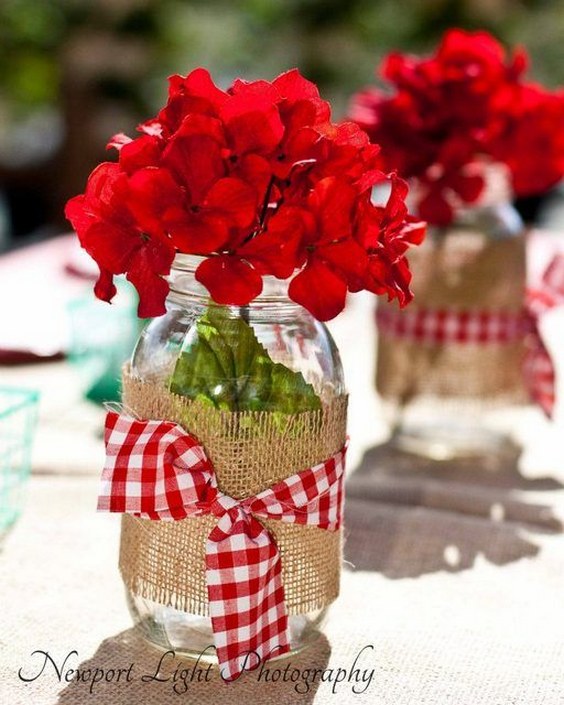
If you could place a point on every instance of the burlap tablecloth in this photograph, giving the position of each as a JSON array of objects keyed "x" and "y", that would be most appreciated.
[{"x": 453, "y": 585}]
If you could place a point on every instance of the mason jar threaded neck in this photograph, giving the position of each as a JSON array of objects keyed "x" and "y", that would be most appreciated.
[
  {"x": 185, "y": 287},
  {"x": 493, "y": 213}
]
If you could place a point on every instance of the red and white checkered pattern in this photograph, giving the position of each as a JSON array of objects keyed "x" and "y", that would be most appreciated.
[
  {"x": 539, "y": 368},
  {"x": 437, "y": 326},
  {"x": 155, "y": 470},
  {"x": 550, "y": 292},
  {"x": 540, "y": 376}
]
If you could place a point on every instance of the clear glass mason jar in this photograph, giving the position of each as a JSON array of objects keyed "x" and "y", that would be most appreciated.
[
  {"x": 292, "y": 337},
  {"x": 447, "y": 388}
]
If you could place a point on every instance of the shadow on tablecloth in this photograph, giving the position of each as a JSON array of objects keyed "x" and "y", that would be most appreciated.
[
  {"x": 128, "y": 647},
  {"x": 429, "y": 516}
]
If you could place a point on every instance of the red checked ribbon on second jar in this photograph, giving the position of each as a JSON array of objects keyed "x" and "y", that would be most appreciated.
[
  {"x": 539, "y": 367},
  {"x": 156, "y": 470},
  {"x": 439, "y": 326}
]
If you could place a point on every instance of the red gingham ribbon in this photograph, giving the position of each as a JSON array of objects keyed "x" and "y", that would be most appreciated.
[
  {"x": 155, "y": 470},
  {"x": 539, "y": 368},
  {"x": 436, "y": 326}
]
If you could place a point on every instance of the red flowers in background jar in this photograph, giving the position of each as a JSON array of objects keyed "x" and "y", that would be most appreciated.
[
  {"x": 456, "y": 111},
  {"x": 258, "y": 181}
]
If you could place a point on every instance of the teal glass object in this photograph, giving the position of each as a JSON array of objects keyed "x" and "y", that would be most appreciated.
[
  {"x": 18, "y": 418},
  {"x": 102, "y": 337}
]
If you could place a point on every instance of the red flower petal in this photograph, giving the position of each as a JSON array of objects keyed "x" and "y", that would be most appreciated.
[
  {"x": 414, "y": 230},
  {"x": 152, "y": 291},
  {"x": 153, "y": 192},
  {"x": 260, "y": 89},
  {"x": 198, "y": 233},
  {"x": 151, "y": 127},
  {"x": 234, "y": 199},
  {"x": 369, "y": 179},
  {"x": 229, "y": 280},
  {"x": 468, "y": 187},
  {"x": 254, "y": 170},
  {"x": 300, "y": 147},
  {"x": 402, "y": 278},
  {"x": 118, "y": 141},
  {"x": 312, "y": 114},
  {"x": 145, "y": 270},
  {"x": 110, "y": 246},
  {"x": 106, "y": 189},
  {"x": 347, "y": 133},
  {"x": 435, "y": 209},
  {"x": 79, "y": 214},
  {"x": 201, "y": 126},
  {"x": 332, "y": 199},
  {"x": 139, "y": 153},
  {"x": 196, "y": 163},
  {"x": 198, "y": 83},
  {"x": 348, "y": 260},
  {"x": 276, "y": 251},
  {"x": 104, "y": 288},
  {"x": 319, "y": 290},
  {"x": 393, "y": 279},
  {"x": 293, "y": 86},
  {"x": 195, "y": 93},
  {"x": 253, "y": 124}
]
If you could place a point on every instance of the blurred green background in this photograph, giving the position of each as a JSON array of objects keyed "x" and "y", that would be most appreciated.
[{"x": 73, "y": 72}]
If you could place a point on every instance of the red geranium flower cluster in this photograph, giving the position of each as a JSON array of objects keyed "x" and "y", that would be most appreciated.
[
  {"x": 259, "y": 181},
  {"x": 453, "y": 112}
]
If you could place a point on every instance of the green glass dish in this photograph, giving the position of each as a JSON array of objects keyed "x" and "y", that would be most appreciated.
[
  {"x": 18, "y": 417},
  {"x": 101, "y": 338}
]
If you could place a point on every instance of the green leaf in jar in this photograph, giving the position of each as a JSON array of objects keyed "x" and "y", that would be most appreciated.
[{"x": 224, "y": 365}]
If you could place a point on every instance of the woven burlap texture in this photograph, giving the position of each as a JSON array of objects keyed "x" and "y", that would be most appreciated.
[
  {"x": 165, "y": 561},
  {"x": 459, "y": 271}
]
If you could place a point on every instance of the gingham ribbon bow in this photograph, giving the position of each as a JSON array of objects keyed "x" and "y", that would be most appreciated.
[
  {"x": 539, "y": 368},
  {"x": 156, "y": 470}
]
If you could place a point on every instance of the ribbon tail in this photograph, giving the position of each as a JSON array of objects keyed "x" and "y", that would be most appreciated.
[
  {"x": 540, "y": 375},
  {"x": 540, "y": 371},
  {"x": 246, "y": 595}
]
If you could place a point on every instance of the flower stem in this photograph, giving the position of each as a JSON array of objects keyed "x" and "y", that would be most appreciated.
[
  {"x": 266, "y": 201},
  {"x": 244, "y": 313}
]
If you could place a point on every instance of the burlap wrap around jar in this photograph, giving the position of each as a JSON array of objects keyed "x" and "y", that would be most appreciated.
[
  {"x": 456, "y": 353},
  {"x": 255, "y": 433},
  {"x": 164, "y": 561}
]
